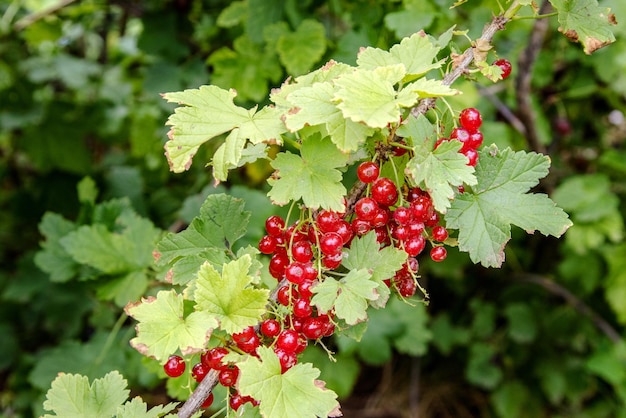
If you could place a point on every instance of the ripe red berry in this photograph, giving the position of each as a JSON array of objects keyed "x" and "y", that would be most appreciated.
[
  {"x": 438, "y": 254},
  {"x": 295, "y": 272},
  {"x": 331, "y": 243},
  {"x": 267, "y": 244},
  {"x": 360, "y": 227},
  {"x": 287, "y": 359},
  {"x": 208, "y": 401},
  {"x": 270, "y": 328},
  {"x": 414, "y": 245},
  {"x": 236, "y": 401},
  {"x": 439, "y": 233},
  {"x": 278, "y": 264},
  {"x": 422, "y": 208},
  {"x": 174, "y": 366},
  {"x": 327, "y": 221},
  {"x": 366, "y": 208},
  {"x": 304, "y": 289},
  {"x": 505, "y": 66},
  {"x": 406, "y": 286},
  {"x": 368, "y": 171},
  {"x": 472, "y": 157},
  {"x": 332, "y": 261},
  {"x": 285, "y": 295},
  {"x": 302, "y": 251},
  {"x": 198, "y": 371},
  {"x": 275, "y": 225},
  {"x": 345, "y": 231},
  {"x": 384, "y": 191},
  {"x": 213, "y": 358},
  {"x": 287, "y": 340},
  {"x": 475, "y": 141},
  {"x": 470, "y": 119},
  {"x": 460, "y": 134},
  {"x": 302, "y": 308},
  {"x": 228, "y": 377},
  {"x": 313, "y": 328},
  {"x": 402, "y": 215}
]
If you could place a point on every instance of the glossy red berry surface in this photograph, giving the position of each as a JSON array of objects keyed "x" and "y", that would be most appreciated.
[
  {"x": 331, "y": 243},
  {"x": 470, "y": 119},
  {"x": 275, "y": 225},
  {"x": 439, "y": 233},
  {"x": 505, "y": 66},
  {"x": 213, "y": 358},
  {"x": 438, "y": 254},
  {"x": 287, "y": 340},
  {"x": 174, "y": 366},
  {"x": 208, "y": 401},
  {"x": 267, "y": 244},
  {"x": 384, "y": 192},
  {"x": 270, "y": 328},
  {"x": 228, "y": 377},
  {"x": 366, "y": 208},
  {"x": 198, "y": 371},
  {"x": 368, "y": 171}
]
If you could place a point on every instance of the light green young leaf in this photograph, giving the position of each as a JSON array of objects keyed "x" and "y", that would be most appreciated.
[
  {"x": 222, "y": 221},
  {"x": 416, "y": 53},
  {"x": 365, "y": 253},
  {"x": 229, "y": 298},
  {"x": 441, "y": 171},
  {"x": 369, "y": 96},
  {"x": 348, "y": 296},
  {"x": 295, "y": 393},
  {"x": 430, "y": 88},
  {"x": 71, "y": 396},
  {"x": 312, "y": 176},
  {"x": 585, "y": 22},
  {"x": 484, "y": 215},
  {"x": 314, "y": 105},
  {"x": 208, "y": 112},
  {"x": 163, "y": 327},
  {"x": 137, "y": 408},
  {"x": 300, "y": 50},
  {"x": 228, "y": 155}
]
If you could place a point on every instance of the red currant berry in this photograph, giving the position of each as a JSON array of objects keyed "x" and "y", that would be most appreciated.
[
  {"x": 327, "y": 221},
  {"x": 294, "y": 323},
  {"x": 433, "y": 220},
  {"x": 174, "y": 366},
  {"x": 475, "y": 141},
  {"x": 439, "y": 233},
  {"x": 329, "y": 326},
  {"x": 278, "y": 264},
  {"x": 332, "y": 261},
  {"x": 402, "y": 215},
  {"x": 247, "y": 334},
  {"x": 366, "y": 209},
  {"x": 213, "y": 358},
  {"x": 472, "y": 157},
  {"x": 422, "y": 208},
  {"x": 285, "y": 295},
  {"x": 414, "y": 193},
  {"x": 302, "y": 251},
  {"x": 331, "y": 243},
  {"x": 228, "y": 377},
  {"x": 438, "y": 254},
  {"x": 267, "y": 244},
  {"x": 302, "y": 308},
  {"x": 287, "y": 340},
  {"x": 470, "y": 119},
  {"x": 250, "y": 346},
  {"x": 384, "y": 192},
  {"x": 295, "y": 272},
  {"x": 313, "y": 328},
  {"x": 382, "y": 218},
  {"x": 270, "y": 328},
  {"x": 406, "y": 287},
  {"x": 287, "y": 359},
  {"x": 275, "y": 225},
  {"x": 208, "y": 401},
  {"x": 412, "y": 265},
  {"x": 198, "y": 371},
  {"x": 460, "y": 134},
  {"x": 415, "y": 228},
  {"x": 345, "y": 231},
  {"x": 382, "y": 236},
  {"x": 236, "y": 401},
  {"x": 304, "y": 289},
  {"x": 360, "y": 227},
  {"x": 367, "y": 171},
  {"x": 400, "y": 232},
  {"x": 302, "y": 341},
  {"x": 414, "y": 245},
  {"x": 310, "y": 272},
  {"x": 505, "y": 66}
]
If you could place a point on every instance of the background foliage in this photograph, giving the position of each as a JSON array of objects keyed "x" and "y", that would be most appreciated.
[{"x": 83, "y": 173}]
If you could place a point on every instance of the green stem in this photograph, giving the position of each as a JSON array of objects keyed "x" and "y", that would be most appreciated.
[
  {"x": 543, "y": 16},
  {"x": 111, "y": 338}
]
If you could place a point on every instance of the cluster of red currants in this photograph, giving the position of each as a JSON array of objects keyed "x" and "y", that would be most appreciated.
[{"x": 468, "y": 134}]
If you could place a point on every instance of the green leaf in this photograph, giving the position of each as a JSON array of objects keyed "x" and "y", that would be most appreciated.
[
  {"x": 222, "y": 221},
  {"x": 349, "y": 296},
  {"x": 341, "y": 383},
  {"x": 481, "y": 370},
  {"x": 163, "y": 327},
  {"x": 585, "y": 22},
  {"x": 314, "y": 105},
  {"x": 615, "y": 285},
  {"x": 312, "y": 176},
  {"x": 300, "y": 50},
  {"x": 446, "y": 335},
  {"x": 229, "y": 297},
  {"x": 87, "y": 190},
  {"x": 416, "y": 53},
  {"x": 522, "y": 323},
  {"x": 441, "y": 171},
  {"x": 365, "y": 253},
  {"x": 124, "y": 289},
  {"x": 484, "y": 215},
  {"x": 71, "y": 396},
  {"x": 431, "y": 88},
  {"x": 136, "y": 408},
  {"x": 208, "y": 112},
  {"x": 369, "y": 96},
  {"x": 587, "y": 197},
  {"x": 52, "y": 258},
  {"x": 511, "y": 400},
  {"x": 295, "y": 393},
  {"x": 416, "y": 16},
  {"x": 416, "y": 335}
]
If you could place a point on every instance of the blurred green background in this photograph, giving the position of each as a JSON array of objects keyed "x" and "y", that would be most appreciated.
[{"x": 82, "y": 126}]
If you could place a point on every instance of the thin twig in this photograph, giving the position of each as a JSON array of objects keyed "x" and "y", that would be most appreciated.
[
  {"x": 199, "y": 395},
  {"x": 524, "y": 77},
  {"x": 556, "y": 289},
  {"x": 504, "y": 110}
]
